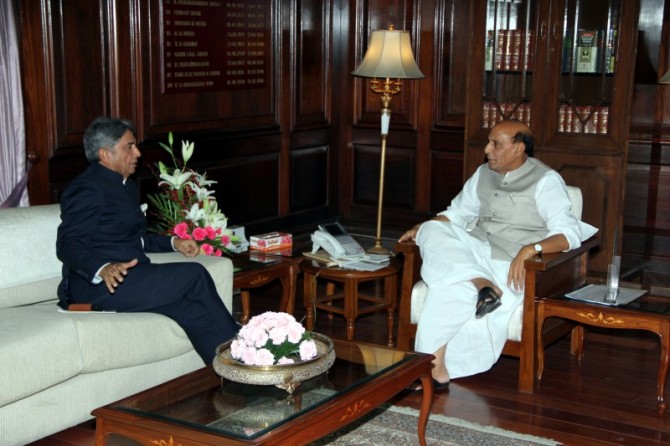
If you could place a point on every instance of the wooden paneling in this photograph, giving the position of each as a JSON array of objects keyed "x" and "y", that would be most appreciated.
[
  {"x": 80, "y": 57},
  {"x": 310, "y": 185},
  {"x": 447, "y": 171},
  {"x": 313, "y": 59},
  {"x": 451, "y": 46}
]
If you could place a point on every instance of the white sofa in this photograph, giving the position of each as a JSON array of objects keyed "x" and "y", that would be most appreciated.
[{"x": 55, "y": 367}]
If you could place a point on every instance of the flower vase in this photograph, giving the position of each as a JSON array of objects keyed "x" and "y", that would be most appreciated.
[{"x": 284, "y": 376}]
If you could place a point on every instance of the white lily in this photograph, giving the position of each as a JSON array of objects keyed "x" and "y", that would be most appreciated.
[
  {"x": 202, "y": 180},
  {"x": 213, "y": 216},
  {"x": 187, "y": 150},
  {"x": 195, "y": 214},
  {"x": 201, "y": 193},
  {"x": 177, "y": 180}
]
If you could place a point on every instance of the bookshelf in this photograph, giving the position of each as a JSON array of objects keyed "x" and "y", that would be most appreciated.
[{"x": 566, "y": 69}]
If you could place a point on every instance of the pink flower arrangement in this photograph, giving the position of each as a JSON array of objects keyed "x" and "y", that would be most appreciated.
[
  {"x": 210, "y": 240},
  {"x": 185, "y": 207},
  {"x": 273, "y": 338}
]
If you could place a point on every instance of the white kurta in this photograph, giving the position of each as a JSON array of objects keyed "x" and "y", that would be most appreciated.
[
  {"x": 448, "y": 313},
  {"x": 452, "y": 257}
]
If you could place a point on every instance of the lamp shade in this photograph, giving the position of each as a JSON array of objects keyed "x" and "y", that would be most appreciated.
[
  {"x": 389, "y": 56},
  {"x": 665, "y": 79}
]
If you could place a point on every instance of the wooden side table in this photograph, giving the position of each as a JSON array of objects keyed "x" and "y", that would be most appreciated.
[
  {"x": 629, "y": 316},
  {"x": 249, "y": 274},
  {"x": 351, "y": 280}
]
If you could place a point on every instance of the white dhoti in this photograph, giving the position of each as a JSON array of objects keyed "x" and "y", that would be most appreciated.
[{"x": 451, "y": 258}]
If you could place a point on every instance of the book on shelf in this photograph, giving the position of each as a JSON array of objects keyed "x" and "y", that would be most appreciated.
[
  {"x": 509, "y": 50},
  {"x": 588, "y": 51},
  {"x": 492, "y": 113},
  {"x": 583, "y": 119},
  {"x": 566, "y": 56},
  {"x": 488, "y": 51},
  {"x": 610, "y": 51},
  {"x": 588, "y": 57}
]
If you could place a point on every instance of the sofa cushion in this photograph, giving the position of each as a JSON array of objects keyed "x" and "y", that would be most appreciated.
[
  {"x": 29, "y": 233},
  {"x": 115, "y": 340},
  {"x": 34, "y": 292},
  {"x": 39, "y": 350}
]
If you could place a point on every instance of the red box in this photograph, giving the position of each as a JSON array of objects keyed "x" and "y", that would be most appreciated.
[{"x": 271, "y": 241}]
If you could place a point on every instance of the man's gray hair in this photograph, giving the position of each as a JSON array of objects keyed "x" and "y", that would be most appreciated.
[{"x": 104, "y": 132}]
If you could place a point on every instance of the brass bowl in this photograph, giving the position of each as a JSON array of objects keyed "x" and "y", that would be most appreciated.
[{"x": 285, "y": 376}]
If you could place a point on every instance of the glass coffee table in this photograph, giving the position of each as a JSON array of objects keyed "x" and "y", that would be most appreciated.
[{"x": 202, "y": 408}]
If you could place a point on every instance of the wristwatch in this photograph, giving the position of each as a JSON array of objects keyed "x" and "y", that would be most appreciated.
[{"x": 538, "y": 248}]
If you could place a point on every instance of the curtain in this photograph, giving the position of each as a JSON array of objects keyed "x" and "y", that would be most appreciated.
[{"x": 13, "y": 171}]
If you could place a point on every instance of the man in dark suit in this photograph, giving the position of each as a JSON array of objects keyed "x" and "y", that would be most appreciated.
[{"x": 103, "y": 238}]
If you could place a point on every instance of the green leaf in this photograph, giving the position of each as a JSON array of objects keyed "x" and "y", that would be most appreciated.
[{"x": 167, "y": 149}]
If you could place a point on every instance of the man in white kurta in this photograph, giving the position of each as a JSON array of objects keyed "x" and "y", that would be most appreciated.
[{"x": 512, "y": 208}]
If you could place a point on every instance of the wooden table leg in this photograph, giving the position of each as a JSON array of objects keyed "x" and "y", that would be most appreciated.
[
  {"x": 663, "y": 366},
  {"x": 390, "y": 292},
  {"x": 330, "y": 292},
  {"x": 292, "y": 284},
  {"x": 246, "y": 303},
  {"x": 309, "y": 291},
  {"x": 426, "y": 403},
  {"x": 539, "y": 345},
  {"x": 577, "y": 342},
  {"x": 350, "y": 306},
  {"x": 100, "y": 432},
  {"x": 288, "y": 284}
]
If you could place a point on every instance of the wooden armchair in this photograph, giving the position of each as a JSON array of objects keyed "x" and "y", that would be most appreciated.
[{"x": 548, "y": 275}]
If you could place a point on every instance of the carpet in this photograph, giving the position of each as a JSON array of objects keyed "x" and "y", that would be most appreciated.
[{"x": 397, "y": 426}]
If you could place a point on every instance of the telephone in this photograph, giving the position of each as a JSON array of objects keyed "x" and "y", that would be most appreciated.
[{"x": 335, "y": 240}]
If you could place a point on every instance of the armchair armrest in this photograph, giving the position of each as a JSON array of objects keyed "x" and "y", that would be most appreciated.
[
  {"x": 548, "y": 261},
  {"x": 411, "y": 273},
  {"x": 559, "y": 272}
]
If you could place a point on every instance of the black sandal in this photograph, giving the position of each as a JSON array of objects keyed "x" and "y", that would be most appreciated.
[
  {"x": 487, "y": 301},
  {"x": 438, "y": 387}
]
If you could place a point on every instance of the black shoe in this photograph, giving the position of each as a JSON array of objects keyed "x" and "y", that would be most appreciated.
[
  {"x": 438, "y": 387},
  {"x": 487, "y": 301}
]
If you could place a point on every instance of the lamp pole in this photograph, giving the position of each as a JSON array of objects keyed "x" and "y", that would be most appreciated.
[{"x": 387, "y": 89}]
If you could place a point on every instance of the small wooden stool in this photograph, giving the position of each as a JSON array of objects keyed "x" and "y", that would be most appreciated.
[{"x": 351, "y": 279}]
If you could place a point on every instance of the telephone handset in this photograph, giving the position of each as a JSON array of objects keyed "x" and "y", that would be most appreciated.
[
  {"x": 321, "y": 239},
  {"x": 337, "y": 242}
]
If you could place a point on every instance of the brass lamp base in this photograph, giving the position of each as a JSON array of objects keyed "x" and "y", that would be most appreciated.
[{"x": 378, "y": 248}]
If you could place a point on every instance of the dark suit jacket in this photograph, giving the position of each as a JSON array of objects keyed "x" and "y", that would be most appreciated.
[{"x": 101, "y": 223}]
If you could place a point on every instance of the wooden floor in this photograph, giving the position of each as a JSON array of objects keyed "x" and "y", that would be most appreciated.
[{"x": 609, "y": 399}]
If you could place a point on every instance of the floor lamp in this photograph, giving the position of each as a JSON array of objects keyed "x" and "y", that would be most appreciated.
[{"x": 389, "y": 59}]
